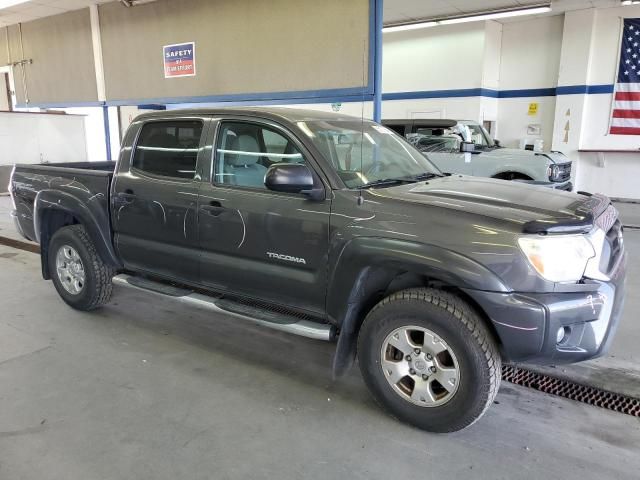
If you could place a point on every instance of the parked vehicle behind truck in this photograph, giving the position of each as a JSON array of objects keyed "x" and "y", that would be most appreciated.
[
  {"x": 466, "y": 147},
  {"x": 335, "y": 228}
]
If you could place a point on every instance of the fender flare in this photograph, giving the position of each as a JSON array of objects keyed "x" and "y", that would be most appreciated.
[
  {"x": 93, "y": 215},
  {"x": 359, "y": 272},
  {"x": 529, "y": 172}
]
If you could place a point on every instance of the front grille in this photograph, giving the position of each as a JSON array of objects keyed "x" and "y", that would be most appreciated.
[
  {"x": 564, "y": 172},
  {"x": 612, "y": 248}
]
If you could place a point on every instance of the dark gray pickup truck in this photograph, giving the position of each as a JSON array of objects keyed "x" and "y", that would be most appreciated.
[{"x": 333, "y": 228}]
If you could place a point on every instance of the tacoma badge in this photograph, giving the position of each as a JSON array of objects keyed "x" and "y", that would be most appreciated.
[{"x": 288, "y": 258}]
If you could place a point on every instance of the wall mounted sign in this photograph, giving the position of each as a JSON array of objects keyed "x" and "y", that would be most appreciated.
[
  {"x": 179, "y": 60},
  {"x": 533, "y": 109}
]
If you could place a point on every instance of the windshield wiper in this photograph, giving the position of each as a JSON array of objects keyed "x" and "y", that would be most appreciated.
[{"x": 387, "y": 182}]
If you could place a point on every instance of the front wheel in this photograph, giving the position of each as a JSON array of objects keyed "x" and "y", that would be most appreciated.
[
  {"x": 80, "y": 276},
  {"x": 429, "y": 359}
]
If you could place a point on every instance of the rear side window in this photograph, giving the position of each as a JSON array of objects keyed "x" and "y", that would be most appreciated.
[{"x": 168, "y": 149}]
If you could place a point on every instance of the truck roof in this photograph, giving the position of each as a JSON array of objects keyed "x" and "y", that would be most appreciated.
[{"x": 282, "y": 113}]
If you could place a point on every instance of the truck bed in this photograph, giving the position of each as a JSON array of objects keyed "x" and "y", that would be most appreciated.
[{"x": 84, "y": 183}]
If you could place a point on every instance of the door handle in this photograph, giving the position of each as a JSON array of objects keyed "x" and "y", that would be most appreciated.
[
  {"x": 214, "y": 208},
  {"x": 125, "y": 198}
]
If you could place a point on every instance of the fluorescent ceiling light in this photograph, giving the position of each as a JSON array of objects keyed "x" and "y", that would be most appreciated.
[
  {"x": 473, "y": 18},
  {"x": 630, "y": 2},
  {"x": 491, "y": 16},
  {"x": 409, "y": 26},
  {"x": 11, "y": 3}
]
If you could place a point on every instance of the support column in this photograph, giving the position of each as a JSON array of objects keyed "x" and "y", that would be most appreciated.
[
  {"x": 107, "y": 131},
  {"x": 377, "y": 61},
  {"x": 575, "y": 64}
]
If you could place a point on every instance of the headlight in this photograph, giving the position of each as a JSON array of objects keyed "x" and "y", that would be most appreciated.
[
  {"x": 561, "y": 258},
  {"x": 554, "y": 172}
]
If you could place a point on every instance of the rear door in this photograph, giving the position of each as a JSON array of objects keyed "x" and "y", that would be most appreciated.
[
  {"x": 255, "y": 242},
  {"x": 155, "y": 193}
]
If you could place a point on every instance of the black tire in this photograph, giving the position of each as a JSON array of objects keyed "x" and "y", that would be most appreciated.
[
  {"x": 456, "y": 323},
  {"x": 97, "y": 287}
]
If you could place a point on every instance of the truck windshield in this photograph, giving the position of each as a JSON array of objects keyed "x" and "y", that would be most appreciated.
[{"x": 365, "y": 153}]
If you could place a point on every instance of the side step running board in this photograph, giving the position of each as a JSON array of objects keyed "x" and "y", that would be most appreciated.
[{"x": 275, "y": 321}]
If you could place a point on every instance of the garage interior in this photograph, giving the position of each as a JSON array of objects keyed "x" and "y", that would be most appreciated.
[{"x": 148, "y": 388}]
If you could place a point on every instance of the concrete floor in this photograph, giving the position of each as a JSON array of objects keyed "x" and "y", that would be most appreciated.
[{"x": 146, "y": 389}]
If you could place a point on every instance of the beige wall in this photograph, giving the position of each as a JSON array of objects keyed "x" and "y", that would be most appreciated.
[
  {"x": 5, "y": 101},
  {"x": 63, "y": 67},
  {"x": 242, "y": 46}
]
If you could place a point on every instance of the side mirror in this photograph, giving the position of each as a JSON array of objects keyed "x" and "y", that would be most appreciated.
[
  {"x": 467, "y": 147},
  {"x": 292, "y": 178}
]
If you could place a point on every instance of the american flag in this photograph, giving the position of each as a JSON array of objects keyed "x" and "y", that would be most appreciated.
[{"x": 625, "y": 119}]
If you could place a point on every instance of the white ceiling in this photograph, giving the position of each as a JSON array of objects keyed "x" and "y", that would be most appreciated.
[
  {"x": 395, "y": 11},
  {"x": 28, "y": 11}
]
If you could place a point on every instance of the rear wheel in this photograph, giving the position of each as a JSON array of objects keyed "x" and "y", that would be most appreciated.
[
  {"x": 429, "y": 359},
  {"x": 80, "y": 276}
]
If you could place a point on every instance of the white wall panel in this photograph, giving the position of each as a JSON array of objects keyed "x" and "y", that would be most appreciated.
[
  {"x": 531, "y": 53},
  {"x": 440, "y": 58},
  {"x": 38, "y": 137},
  {"x": 513, "y": 119}
]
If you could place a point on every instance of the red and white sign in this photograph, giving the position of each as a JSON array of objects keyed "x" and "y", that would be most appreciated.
[{"x": 179, "y": 60}]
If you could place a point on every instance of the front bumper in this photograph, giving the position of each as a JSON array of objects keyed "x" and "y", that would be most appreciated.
[{"x": 527, "y": 323}]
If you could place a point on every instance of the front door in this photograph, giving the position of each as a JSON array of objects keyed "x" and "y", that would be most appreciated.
[
  {"x": 255, "y": 242},
  {"x": 154, "y": 213}
]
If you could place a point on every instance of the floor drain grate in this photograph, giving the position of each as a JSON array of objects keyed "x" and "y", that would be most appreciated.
[{"x": 574, "y": 391}]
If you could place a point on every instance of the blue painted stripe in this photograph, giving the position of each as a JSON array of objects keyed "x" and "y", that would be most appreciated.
[
  {"x": 319, "y": 95},
  {"x": 584, "y": 89},
  {"x": 465, "y": 92},
  {"x": 486, "y": 92},
  {"x": 344, "y": 95},
  {"x": 293, "y": 101},
  {"x": 530, "y": 92},
  {"x": 152, "y": 106},
  {"x": 596, "y": 89}
]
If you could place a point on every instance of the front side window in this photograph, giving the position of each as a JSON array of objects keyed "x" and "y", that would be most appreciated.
[
  {"x": 479, "y": 135},
  {"x": 365, "y": 152},
  {"x": 245, "y": 151},
  {"x": 168, "y": 148}
]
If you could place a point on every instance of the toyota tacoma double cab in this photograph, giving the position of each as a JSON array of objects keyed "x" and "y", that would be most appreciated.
[{"x": 336, "y": 228}]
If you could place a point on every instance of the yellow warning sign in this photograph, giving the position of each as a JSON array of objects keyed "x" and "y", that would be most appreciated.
[{"x": 533, "y": 109}]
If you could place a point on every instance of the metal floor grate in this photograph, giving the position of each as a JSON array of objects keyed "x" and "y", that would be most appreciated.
[{"x": 571, "y": 390}]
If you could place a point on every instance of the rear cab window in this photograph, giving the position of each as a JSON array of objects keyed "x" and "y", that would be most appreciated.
[{"x": 168, "y": 148}]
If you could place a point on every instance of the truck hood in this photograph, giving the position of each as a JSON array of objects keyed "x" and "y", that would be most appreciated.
[
  {"x": 534, "y": 209},
  {"x": 508, "y": 154}
]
